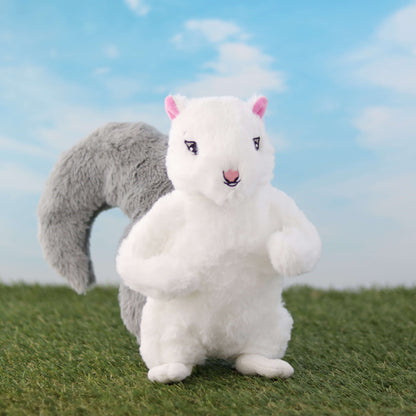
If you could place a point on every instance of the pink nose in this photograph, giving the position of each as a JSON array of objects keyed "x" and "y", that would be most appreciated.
[{"x": 231, "y": 175}]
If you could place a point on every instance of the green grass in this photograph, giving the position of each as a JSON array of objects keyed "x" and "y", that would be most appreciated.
[{"x": 63, "y": 354}]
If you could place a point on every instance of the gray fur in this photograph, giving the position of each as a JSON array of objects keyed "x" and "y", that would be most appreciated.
[
  {"x": 119, "y": 165},
  {"x": 131, "y": 305}
]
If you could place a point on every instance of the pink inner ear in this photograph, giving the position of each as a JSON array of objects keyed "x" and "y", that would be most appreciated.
[
  {"x": 260, "y": 106},
  {"x": 171, "y": 107}
]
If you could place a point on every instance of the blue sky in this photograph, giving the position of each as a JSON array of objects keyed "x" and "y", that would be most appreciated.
[{"x": 341, "y": 82}]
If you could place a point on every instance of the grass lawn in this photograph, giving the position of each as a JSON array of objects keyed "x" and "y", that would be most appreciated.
[{"x": 64, "y": 354}]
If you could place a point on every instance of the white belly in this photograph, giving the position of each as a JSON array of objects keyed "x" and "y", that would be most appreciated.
[{"x": 237, "y": 299}]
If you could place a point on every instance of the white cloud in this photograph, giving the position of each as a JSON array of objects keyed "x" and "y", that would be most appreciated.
[
  {"x": 388, "y": 59},
  {"x": 122, "y": 88},
  {"x": 17, "y": 146},
  {"x": 45, "y": 101},
  {"x": 17, "y": 178},
  {"x": 31, "y": 89},
  {"x": 215, "y": 30},
  {"x": 178, "y": 40},
  {"x": 234, "y": 55},
  {"x": 394, "y": 197},
  {"x": 279, "y": 141},
  {"x": 242, "y": 84},
  {"x": 138, "y": 6},
  {"x": 71, "y": 123},
  {"x": 239, "y": 69},
  {"x": 102, "y": 70},
  {"x": 52, "y": 107},
  {"x": 382, "y": 192},
  {"x": 400, "y": 28},
  {"x": 210, "y": 30},
  {"x": 111, "y": 51},
  {"x": 383, "y": 126},
  {"x": 391, "y": 71}
]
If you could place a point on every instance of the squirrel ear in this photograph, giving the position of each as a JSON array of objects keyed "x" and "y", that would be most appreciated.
[
  {"x": 174, "y": 105},
  {"x": 259, "y": 105},
  {"x": 171, "y": 107}
]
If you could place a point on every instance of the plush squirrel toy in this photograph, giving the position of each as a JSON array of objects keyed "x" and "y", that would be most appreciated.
[
  {"x": 210, "y": 256},
  {"x": 203, "y": 268}
]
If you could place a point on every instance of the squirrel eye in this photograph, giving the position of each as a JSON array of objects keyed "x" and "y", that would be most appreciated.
[
  {"x": 192, "y": 146},
  {"x": 256, "y": 141}
]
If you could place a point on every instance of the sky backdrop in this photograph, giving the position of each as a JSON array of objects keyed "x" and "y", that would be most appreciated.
[{"x": 341, "y": 82}]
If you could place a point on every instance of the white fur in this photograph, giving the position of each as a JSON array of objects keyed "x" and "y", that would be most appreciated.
[{"x": 210, "y": 257}]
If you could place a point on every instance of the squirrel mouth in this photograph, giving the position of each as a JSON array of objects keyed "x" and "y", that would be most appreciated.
[{"x": 232, "y": 184}]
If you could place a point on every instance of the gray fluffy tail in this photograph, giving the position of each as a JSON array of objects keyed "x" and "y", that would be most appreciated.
[{"x": 119, "y": 165}]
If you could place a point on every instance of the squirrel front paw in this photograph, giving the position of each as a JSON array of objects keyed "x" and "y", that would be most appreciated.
[
  {"x": 159, "y": 277},
  {"x": 292, "y": 253}
]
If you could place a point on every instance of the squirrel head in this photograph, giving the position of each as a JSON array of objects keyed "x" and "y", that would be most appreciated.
[{"x": 218, "y": 147}]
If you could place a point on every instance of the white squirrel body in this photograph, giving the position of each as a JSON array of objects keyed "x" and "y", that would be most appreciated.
[
  {"x": 211, "y": 255},
  {"x": 235, "y": 299}
]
